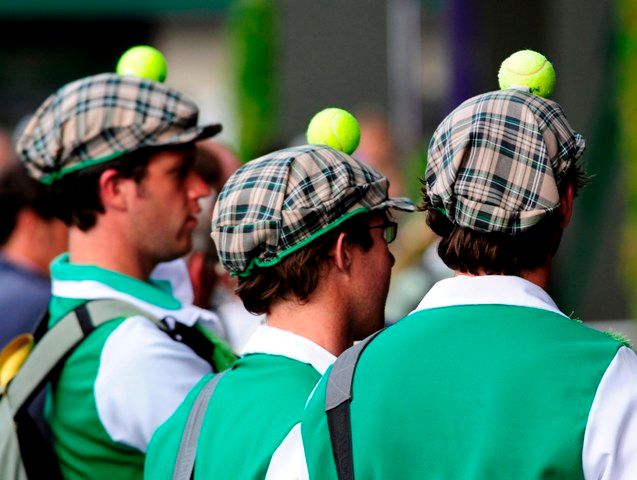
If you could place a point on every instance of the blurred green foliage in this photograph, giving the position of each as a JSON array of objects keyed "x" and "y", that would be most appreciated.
[
  {"x": 255, "y": 38},
  {"x": 626, "y": 15}
]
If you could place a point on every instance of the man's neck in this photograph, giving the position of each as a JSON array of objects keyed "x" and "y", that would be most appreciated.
[
  {"x": 539, "y": 276},
  {"x": 106, "y": 249},
  {"x": 22, "y": 250},
  {"x": 319, "y": 322}
]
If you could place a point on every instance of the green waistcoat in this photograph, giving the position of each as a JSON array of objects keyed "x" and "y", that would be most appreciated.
[
  {"x": 474, "y": 392},
  {"x": 252, "y": 410}
]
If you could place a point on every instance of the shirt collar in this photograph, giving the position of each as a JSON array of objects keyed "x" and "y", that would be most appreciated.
[
  {"x": 274, "y": 341},
  {"x": 487, "y": 290},
  {"x": 89, "y": 282}
]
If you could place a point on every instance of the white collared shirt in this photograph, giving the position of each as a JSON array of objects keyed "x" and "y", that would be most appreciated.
[
  {"x": 610, "y": 441},
  {"x": 274, "y": 341},
  {"x": 487, "y": 290}
]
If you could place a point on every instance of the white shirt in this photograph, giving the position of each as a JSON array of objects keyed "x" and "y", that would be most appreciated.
[
  {"x": 610, "y": 441},
  {"x": 274, "y": 341}
]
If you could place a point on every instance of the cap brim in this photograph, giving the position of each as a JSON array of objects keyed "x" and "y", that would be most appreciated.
[
  {"x": 192, "y": 135},
  {"x": 397, "y": 203}
]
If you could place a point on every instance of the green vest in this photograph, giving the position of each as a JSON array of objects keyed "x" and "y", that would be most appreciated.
[
  {"x": 253, "y": 408},
  {"x": 473, "y": 392},
  {"x": 83, "y": 446}
]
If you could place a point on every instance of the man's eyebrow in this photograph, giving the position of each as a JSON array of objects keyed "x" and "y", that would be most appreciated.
[{"x": 185, "y": 163}]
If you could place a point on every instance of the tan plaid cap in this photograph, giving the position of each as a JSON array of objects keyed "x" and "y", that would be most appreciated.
[
  {"x": 496, "y": 162},
  {"x": 276, "y": 204},
  {"x": 99, "y": 118}
]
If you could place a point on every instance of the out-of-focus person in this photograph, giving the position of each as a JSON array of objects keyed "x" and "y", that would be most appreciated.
[
  {"x": 30, "y": 237},
  {"x": 377, "y": 147},
  {"x": 418, "y": 266},
  {"x": 7, "y": 157},
  {"x": 212, "y": 286},
  {"x": 198, "y": 278}
]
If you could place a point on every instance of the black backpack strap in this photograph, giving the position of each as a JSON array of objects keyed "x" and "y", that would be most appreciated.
[
  {"x": 338, "y": 397},
  {"x": 193, "y": 338},
  {"x": 185, "y": 463}
]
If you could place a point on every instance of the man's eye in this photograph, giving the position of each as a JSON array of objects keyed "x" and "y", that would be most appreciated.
[{"x": 182, "y": 172}]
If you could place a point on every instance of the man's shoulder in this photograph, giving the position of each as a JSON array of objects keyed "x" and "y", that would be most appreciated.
[
  {"x": 292, "y": 378},
  {"x": 459, "y": 333},
  {"x": 19, "y": 282},
  {"x": 503, "y": 319}
]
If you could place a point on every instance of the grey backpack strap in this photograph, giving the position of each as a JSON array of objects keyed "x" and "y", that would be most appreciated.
[
  {"x": 52, "y": 349},
  {"x": 338, "y": 396},
  {"x": 185, "y": 464},
  {"x": 24, "y": 451}
]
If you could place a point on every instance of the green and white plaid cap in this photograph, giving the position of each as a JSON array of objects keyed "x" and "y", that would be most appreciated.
[
  {"x": 99, "y": 118},
  {"x": 276, "y": 204},
  {"x": 496, "y": 162}
]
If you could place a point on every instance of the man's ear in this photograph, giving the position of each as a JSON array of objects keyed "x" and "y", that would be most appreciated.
[
  {"x": 566, "y": 205},
  {"x": 341, "y": 253},
  {"x": 113, "y": 189}
]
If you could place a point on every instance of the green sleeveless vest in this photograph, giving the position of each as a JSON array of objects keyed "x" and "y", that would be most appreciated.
[
  {"x": 472, "y": 392},
  {"x": 253, "y": 408}
]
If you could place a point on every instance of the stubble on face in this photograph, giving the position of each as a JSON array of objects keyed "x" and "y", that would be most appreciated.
[
  {"x": 166, "y": 212},
  {"x": 373, "y": 278}
]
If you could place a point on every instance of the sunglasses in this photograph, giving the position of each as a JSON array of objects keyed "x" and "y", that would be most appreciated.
[{"x": 390, "y": 230}]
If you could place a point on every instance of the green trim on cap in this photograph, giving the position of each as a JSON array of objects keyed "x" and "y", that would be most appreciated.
[
  {"x": 55, "y": 176},
  {"x": 268, "y": 263}
]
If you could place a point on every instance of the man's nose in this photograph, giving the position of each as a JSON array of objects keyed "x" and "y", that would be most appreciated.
[{"x": 198, "y": 188}]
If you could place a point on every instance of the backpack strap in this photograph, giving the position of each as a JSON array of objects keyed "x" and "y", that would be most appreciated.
[
  {"x": 59, "y": 341},
  {"x": 338, "y": 397},
  {"x": 185, "y": 463},
  {"x": 37, "y": 457}
]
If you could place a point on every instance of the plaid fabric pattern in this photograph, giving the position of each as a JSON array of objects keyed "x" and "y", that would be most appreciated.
[
  {"x": 278, "y": 203},
  {"x": 496, "y": 162},
  {"x": 99, "y": 118}
]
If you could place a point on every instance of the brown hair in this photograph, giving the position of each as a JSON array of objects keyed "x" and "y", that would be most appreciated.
[
  {"x": 492, "y": 253},
  {"x": 19, "y": 191},
  {"x": 298, "y": 274},
  {"x": 77, "y": 197}
]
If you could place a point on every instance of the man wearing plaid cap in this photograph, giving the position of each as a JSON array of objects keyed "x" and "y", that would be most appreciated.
[
  {"x": 118, "y": 154},
  {"x": 305, "y": 231},
  {"x": 487, "y": 378}
]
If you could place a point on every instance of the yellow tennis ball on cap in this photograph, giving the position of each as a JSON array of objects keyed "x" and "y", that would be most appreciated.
[
  {"x": 143, "y": 61},
  {"x": 527, "y": 68},
  {"x": 336, "y": 128}
]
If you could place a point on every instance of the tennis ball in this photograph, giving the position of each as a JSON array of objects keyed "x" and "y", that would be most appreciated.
[
  {"x": 143, "y": 61},
  {"x": 335, "y": 128},
  {"x": 527, "y": 68}
]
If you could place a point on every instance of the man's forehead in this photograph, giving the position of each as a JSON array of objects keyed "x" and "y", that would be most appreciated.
[{"x": 174, "y": 155}]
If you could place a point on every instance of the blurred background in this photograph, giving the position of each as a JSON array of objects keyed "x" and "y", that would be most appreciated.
[{"x": 263, "y": 68}]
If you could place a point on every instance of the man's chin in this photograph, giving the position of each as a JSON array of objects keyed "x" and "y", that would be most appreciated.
[{"x": 177, "y": 252}]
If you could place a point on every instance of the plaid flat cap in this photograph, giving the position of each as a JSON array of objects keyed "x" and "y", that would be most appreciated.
[
  {"x": 496, "y": 162},
  {"x": 99, "y": 118},
  {"x": 276, "y": 204}
]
